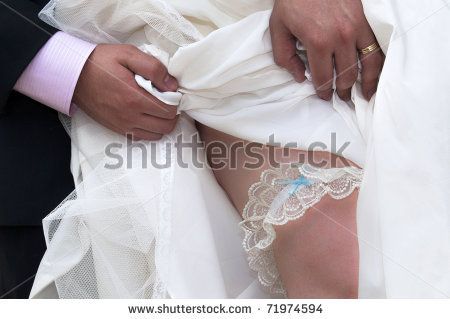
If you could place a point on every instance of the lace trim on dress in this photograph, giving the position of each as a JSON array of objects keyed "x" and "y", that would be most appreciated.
[{"x": 282, "y": 195}]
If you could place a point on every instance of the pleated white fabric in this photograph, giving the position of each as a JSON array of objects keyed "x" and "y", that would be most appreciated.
[
  {"x": 172, "y": 232},
  {"x": 404, "y": 204}
]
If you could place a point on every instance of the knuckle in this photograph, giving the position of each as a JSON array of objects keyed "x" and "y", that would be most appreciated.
[
  {"x": 152, "y": 68},
  {"x": 166, "y": 128},
  {"x": 347, "y": 79},
  {"x": 324, "y": 96},
  {"x": 369, "y": 79},
  {"x": 344, "y": 85},
  {"x": 370, "y": 74},
  {"x": 370, "y": 82},
  {"x": 323, "y": 82},
  {"x": 346, "y": 32},
  {"x": 379, "y": 60},
  {"x": 170, "y": 112},
  {"x": 374, "y": 60},
  {"x": 281, "y": 60},
  {"x": 372, "y": 69},
  {"x": 319, "y": 43},
  {"x": 169, "y": 126},
  {"x": 129, "y": 48},
  {"x": 155, "y": 68}
]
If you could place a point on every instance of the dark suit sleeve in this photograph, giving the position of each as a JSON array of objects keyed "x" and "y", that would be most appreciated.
[{"x": 22, "y": 34}]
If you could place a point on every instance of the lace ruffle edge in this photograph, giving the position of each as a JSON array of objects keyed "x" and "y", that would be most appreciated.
[{"x": 276, "y": 200}]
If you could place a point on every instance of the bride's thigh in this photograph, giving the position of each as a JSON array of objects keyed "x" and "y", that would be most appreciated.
[{"x": 317, "y": 254}]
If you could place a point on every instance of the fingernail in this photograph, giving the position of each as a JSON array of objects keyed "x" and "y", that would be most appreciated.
[
  {"x": 171, "y": 83},
  {"x": 345, "y": 95},
  {"x": 325, "y": 95},
  {"x": 370, "y": 93},
  {"x": 300, "y": 77}
]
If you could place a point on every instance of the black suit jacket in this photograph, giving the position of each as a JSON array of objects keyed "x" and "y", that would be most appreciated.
[{"x": 34, "y": 149}]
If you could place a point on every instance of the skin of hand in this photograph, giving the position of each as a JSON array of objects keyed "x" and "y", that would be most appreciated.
[
  {"x": 332, "y": 31},
  {"x": 107, "y": 92}
]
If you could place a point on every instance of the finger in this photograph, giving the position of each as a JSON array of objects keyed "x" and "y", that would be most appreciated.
[
  {"x": 321, "y": 64},
  {"x": 346, "y": 63},
  {"x": 284, "y": 50},
  {"x": 371, "y": 64},
  {"x": 155, "y": 125},
  {"x": 151, "y": 106},
  {"x": 151, "y": 69},
  {"x": 143, "y": 102},
  {"x": 140, "y": 134}
]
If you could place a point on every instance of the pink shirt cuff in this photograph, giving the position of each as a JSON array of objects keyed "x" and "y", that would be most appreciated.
[{"x": 52, "y": 75}]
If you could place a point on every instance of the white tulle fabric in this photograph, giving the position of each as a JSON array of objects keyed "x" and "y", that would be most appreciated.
[
  {"x": 170, "y": 231},
  {"x": 272, "y": 202}
]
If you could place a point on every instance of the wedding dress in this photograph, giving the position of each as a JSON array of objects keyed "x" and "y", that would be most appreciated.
[{"x": 147, "y": 232}]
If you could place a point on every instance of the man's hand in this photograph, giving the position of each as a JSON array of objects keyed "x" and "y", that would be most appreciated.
[
  {"x": 107, "y": 92},
  {"x": 332, "y": 31}
]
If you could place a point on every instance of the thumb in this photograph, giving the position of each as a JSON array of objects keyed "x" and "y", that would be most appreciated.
[
  {"x": 285, "y": 51},
  {"x": 152, "y": 69}
]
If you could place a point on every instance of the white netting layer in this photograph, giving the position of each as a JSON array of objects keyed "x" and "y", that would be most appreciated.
[
  {"x": 113, "y": 237},
  {"x": 106, "y": 240},
  {"x": 148, "y": 21}
]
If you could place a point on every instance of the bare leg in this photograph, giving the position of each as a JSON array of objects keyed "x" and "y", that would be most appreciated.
[{"x": 316, "y": 255}]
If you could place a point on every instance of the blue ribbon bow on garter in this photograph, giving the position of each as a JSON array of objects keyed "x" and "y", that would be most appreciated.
[{"x": 296, "y": 183}]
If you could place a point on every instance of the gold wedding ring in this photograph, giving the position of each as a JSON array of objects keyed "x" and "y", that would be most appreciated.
[{"x": 369, "y": 49}]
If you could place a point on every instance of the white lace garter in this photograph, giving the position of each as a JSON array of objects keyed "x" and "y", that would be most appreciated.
[{"x": 282, "y": 195}]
